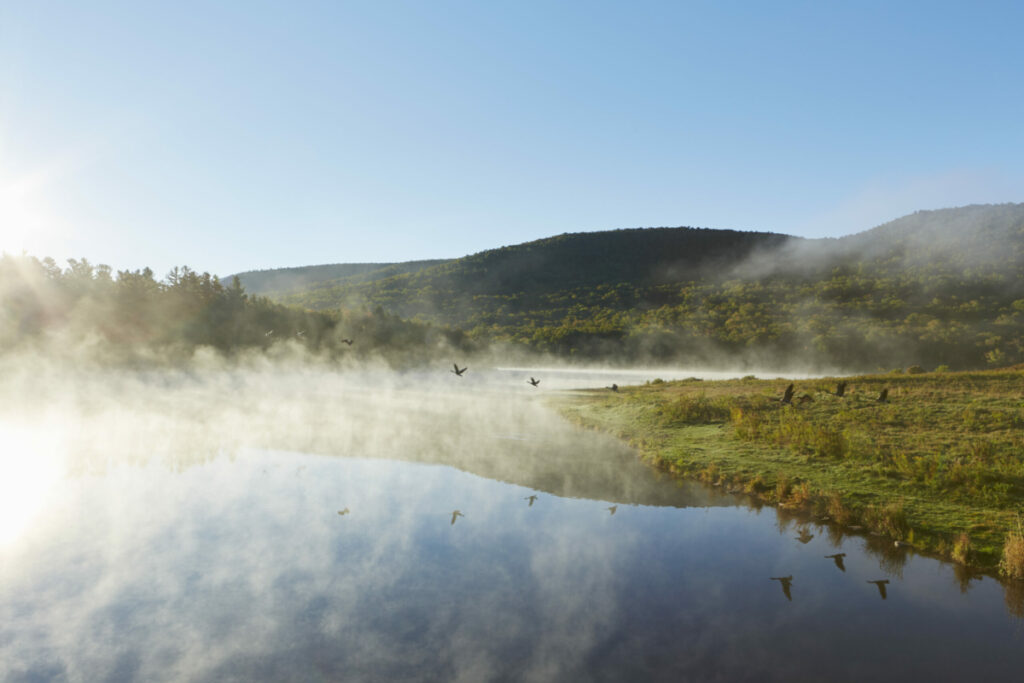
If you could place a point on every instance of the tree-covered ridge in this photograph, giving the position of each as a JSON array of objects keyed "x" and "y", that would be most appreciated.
[
  {"x": 937, "y": 288},
  {"x": 281, "y": 281},
  {"x": 116, "y": 315}
]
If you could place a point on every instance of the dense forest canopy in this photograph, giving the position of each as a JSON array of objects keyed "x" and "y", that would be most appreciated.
[
  {"x": 132, "y": 315},
  {"x": 931, "y": 289}
]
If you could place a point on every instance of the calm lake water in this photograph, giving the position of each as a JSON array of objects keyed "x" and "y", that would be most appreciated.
[{"x": 160, "y": 541}]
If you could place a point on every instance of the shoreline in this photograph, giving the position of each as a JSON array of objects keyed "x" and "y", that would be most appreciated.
[{"x": 937, "y": 466}]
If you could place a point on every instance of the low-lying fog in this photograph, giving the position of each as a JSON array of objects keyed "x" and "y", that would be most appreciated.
[{"x": 294, "y": 521}]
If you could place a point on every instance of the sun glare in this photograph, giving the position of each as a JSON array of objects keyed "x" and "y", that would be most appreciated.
[{"x": 29, "y": 468}]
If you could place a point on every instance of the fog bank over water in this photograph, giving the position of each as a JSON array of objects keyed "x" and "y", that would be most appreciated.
[
  {"x": 293, "y": 520},
  {"x": 80, "y": 418}
]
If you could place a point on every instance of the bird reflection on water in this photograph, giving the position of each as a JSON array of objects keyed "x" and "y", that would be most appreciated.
[
  {"x": 532, "y": 499},
  {"x": 882, "y": 583},
  {"x": 838, "y": 559},
  {"x": 786, "y": 582}
]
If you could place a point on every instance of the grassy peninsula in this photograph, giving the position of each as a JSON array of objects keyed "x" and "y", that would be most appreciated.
[{"x": 938, "y": 464}]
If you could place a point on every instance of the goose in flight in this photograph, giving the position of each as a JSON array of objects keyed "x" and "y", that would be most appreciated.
[
  {"x": 457, "y": 371},
  {"x": 614, "y": 387},
  {"x": 788, "y": 397},
  {"x": 884, "y": 396},
  {"x": 786, "y": 582},
  {"x": 455, "y": 515},
  {"x": 534, "y": 382},
  {"x": 612, "y": 509},
  {"x": 532, "y": 499},
  {"x": 881, "y": 587},
  {"x": 841, "y": 390},
  {"x": 347, "y": 341},
  {"x": 838, "y": 559},
  {"x": 343, "y": 512}
]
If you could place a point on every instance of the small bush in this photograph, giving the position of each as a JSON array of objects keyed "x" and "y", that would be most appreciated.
[
  {"x": 1012, "y": 563},
  {"x": 838, "y": 510},
  {"x": 694, "y": 410},
  {"x": 890, "y": 520},
  {"x": 962, "y": 550}
]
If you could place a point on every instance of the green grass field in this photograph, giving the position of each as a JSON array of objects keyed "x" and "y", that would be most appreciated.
[{"x": 938, "y": 465}]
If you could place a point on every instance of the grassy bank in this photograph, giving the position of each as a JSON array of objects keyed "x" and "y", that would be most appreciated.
[{"x": 939, "y": 464}]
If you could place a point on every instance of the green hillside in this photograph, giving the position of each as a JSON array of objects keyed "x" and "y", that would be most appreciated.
[
  {"x": 934, "y": 288},
  {"x": 281, "y": 281}
]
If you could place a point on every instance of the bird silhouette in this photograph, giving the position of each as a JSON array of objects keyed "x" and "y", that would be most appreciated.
[
  {"x": 841, "y": 390},
  {"x": 343, "y": 512},
  {"x": 884, "y": 396},
  {"x": 457, "y": 371},
  {"x": 531, "y": 499},
  {"x": 614, "y": 387},
  {"x": 788, "y": 397},
  {"x": 347, "y": 341},
  {"x": 786, "y": 582},
  {"x": 838, "y": 559},
  {"x": 612, "y": 509},
  {"x": 268, "y": 333},
  {"x": 805, "y": 536},
  {"x": 881, "y": 587},
  {"x": 455, "y": 515},
  {"x": 300, "y": 333},
  {"x": 534, "y": 382}
]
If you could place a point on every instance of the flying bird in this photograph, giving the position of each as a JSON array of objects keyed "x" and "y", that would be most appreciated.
[
  {"x": 614, "y": 387},
  {"x": 457, "y": 371},
  {"x": 612, "y": 509},
  {"x": 884, "y": 396},
  {"x": 838, "y": 559},
  {"x": 841, "y": 390},
  {"x": 786, "y": 582},
  {"x": 534, "y": 382},
  {"x": 347, "y": 341},
  {"x": 788, "y": 397},
  {"x": 531, "y": 499},
  {"x": 881, "y": 587},
  {"x": 300, "y": 333},
  {"x": 268, "y": 333},
  {"x": 455, "y": 515},
  {"x": 343, "y": 512}
]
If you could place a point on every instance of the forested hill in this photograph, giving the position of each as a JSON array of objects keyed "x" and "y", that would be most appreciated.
[
  {"x": 455, "y": 291},
  {"x": 281, "y": 281},
  {"x": 939, "y": 287}
]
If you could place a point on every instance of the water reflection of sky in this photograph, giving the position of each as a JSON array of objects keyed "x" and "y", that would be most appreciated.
[
  {"x": 242, "y": 569},
  {"x": 183, "y": 527}
]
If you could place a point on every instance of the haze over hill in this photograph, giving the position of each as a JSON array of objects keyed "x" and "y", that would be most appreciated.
[{"x": 938, "y": 287}]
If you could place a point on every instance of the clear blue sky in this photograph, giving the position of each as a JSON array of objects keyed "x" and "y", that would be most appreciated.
[{"x": 237, "y": 135}]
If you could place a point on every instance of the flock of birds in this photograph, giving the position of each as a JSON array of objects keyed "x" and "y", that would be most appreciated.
[
  {"x": 787, "y": 581},
  {"x": 787, "y": 399}
]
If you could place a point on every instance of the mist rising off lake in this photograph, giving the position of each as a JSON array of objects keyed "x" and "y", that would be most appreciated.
[{"x": 299, "y": 525}]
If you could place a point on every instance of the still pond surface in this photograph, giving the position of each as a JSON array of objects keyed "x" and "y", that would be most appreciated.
[{"x": 314, "y": 537}]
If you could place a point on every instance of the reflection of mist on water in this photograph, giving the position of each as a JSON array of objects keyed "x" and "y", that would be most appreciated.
[{"x": 196, "y": 536}]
